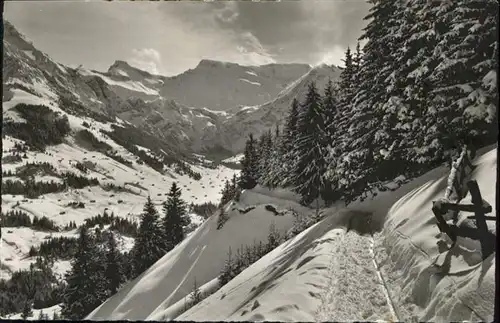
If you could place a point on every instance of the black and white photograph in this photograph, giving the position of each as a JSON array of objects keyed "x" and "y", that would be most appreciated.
[{"x": 283, "y": 161}]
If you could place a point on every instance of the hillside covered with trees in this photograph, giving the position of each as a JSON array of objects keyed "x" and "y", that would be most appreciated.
[{"x": 423, "y": 86}]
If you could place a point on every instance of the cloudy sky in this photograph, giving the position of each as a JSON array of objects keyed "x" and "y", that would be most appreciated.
[{"x": 170, "y": 37}]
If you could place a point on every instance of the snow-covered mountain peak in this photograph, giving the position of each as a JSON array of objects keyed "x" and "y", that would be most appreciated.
[
  {"x": 11, "y": 33},
  {"x": 214, "y": 64},
  {"x": 124, "y": 69}
]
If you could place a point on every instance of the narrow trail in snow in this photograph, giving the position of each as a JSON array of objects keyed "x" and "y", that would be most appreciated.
[
  {"x": 329, "y": 293},
  {"x": 354, "y": 291}
]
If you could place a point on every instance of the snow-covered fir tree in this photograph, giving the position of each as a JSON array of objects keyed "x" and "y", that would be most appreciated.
[
  {"x": 330, "y": 107},
  {"x": 234, "y": 186},
  {"x": 175, "y": 217},
  {"x": 27, "y": 310},
  {"x": 227, "y": 272},
  {"x": 113, "y": 273},
  {"x": 84, "y": 291},
  {"x": 249, "y": 165},
  {"x": 196, "y": 296},
  {"x": 357, "y": 58},
  {"x": 150, "y": 243},
  {"x": 226, "y": 193},
  {"x": 265, "y": 151},
  {"x": 272, "y": 175},
  {"x": 310, "y": 147},
  {"x": 466, "y": 45},
  {"x": 285, "y": 173}
]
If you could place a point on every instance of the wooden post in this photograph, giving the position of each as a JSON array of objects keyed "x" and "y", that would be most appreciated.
[
  {"x": 477, "y": 200},
  {"x": 437, "y": 209}
]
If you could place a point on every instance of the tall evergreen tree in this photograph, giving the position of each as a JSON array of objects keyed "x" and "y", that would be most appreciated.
[
  {"x": 468, "y": 31},
  {"x": 330, "y": 108},
  {"x": 196, "y": 295},
  {"x": 356, "y": 166},
  {"x": 310, "y": 147},
  {"x": 150, "y": 243},
  {"x": 346, "y": 79},
  {"x": 249, "y": 165},
  {"x": 274, "y": 168},
  {"x": 265, "y": 150},
  {"x": 27, "y": 310},
  {"x": 285, "y": 173},
  {"x": 175, "y": 216},
  {"x": 357, "y": 58},
  {"x": 234, "y": 186},
  {"x": 331, "y": 118},
  {"x": 113, "y": 273},
  {"x": 339, "y": 111},
  {"x": 290, "y": 130},
  {"x": 226, "y": 193},
  {"x": 83, "y": 292},
  {"x": 227, "y": 273}
]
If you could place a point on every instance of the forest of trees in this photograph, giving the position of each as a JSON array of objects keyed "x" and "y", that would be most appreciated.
[
  {"x": 36, "y": 287},
  {"x": 98, "y": 267},
  {"x": 32, "y": 189},
  {"x": 246, "y": 256},
  {"x": 204, "y": 210},
  {"x": 230, "y": 190},
  {"x": 99, "y": 271},
  {"x": 18, "y": 218},
  {"x": 423, "y": 85},
  {"x": 43, "y": 126}
]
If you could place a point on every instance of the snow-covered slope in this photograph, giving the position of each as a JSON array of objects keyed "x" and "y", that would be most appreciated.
[
  {"x": 336, "y": 270},
  {"x": 137, "y": 182},
  {"x": 201, "y": 256},
  {"x": 412, "y": 244},
  {"x": 328, "y": 274}
]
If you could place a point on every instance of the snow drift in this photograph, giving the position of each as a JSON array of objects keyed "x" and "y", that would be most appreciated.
[{"x": 427, "y": 280}]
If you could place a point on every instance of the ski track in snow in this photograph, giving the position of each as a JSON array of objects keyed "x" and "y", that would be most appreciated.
[
  {"x": 355, "y": 289},
  {"x": 183, "y": 279},
  {"x": 381, "y": 279}
]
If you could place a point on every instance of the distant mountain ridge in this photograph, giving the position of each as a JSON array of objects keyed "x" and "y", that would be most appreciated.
[{"x": 210, "y": 108}]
